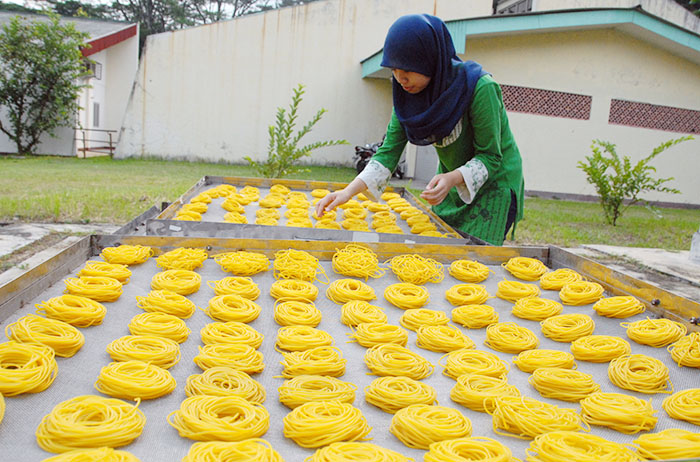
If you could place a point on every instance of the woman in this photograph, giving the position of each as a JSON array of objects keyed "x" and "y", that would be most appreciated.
[{"x": 457, "y": 107}]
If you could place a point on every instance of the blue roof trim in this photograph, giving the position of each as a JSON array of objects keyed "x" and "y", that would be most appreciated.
[{"x": 460, "y": 29}]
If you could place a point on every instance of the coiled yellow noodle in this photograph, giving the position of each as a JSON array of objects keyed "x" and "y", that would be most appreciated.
[
  {"x": 655, "y": 332},
  {"x": 94, "y": 455},
  {"x": 618, "y": 307},
  {"x": 98, "y": 288},
  {"x": 199, "y": 207},
  {"x": 442, "y": 338},
  {"x": 356, "y": 312},
  {"x": 327, "y": 224},
  {"x": 26, "y": 368},
  {"x": 686, "y": 351},
  {"x": 268, "y": 213},
  {"x": 528, "y": 361},
  {"x": 391, "y": 394},
  {"x": 319, "y": 423},
  {"x": 201, "y": 197},
  {"x": 63, "y": 338},
  {"x": 383, "y": 220},
  {"x": 536, "y": 308},
  {"x": 420, "y": 228},
  {"x": 343, "y": 290},
  {"x": 475, "y": 390},
  {"x": 231, "y": 332},
  {"x": 250, "y": 192},
  {"x": 134, "y": 379},
  {"x": 250, "y": 450},
  {"x": 414, "y": 319},
  {"x": 684, "y": 405},
  {"x": 360, "y": 452},
  {"x": 232, "y": 205},
  {"x": 508, "y": 337},
  {"x": 325, "y": 360},
  {"x": 271, "y": 201},
  {"x": 89, "y": 421},
  {"x": 297, "y": 264},
  {"x": 465, "y": 361},
  {"x": 565, "y": 446},
  {"x": 419, "y": 425},
  {"x": 299, "y": 222},
  {"x": 466, "y": 294},
  {"x": 640, "y": 373},
  {"x": 564, "y": 384},
  {"x": 525, "y": 268},
  {"x": 232, "y": 307},
  {"x": 474, "y": 316},
  {"x": 526, "y": 418},
  {"x": 623, "y": 413},
  {"x": 469, "y": 271},
  {"x": 111, "y": 270},
  {"x": 188, "y": 215},
  {"x": 357, "y": 261},
  {"x": 329, "y": 215},
  {"x": 219, "y": 418},
  {"x": 266, "y": 221},
  {"x": 221, "y": 190},
  {"x": 515, "y": 290},
  {"x": 242, "y": 263},
  {"x": 555, "y": 280},
  {"x": 168, "y": 302},
  {"x": 416, "y": 269},
  {"x": 476, "y": 448},
  {"x": 668, "y": 444},
  {"x": 183, "y": 282},
  {"x": 581, "y": 293},
  {"x": 296, "y": 313},
  {"x": 127, "y": 254},
  {"x": 304, "y": 389},
  {"x": 182, "y": 258},
  {"x": 389, "y": 359},
  {"x": 353, "y": 213},
  {"x": 320, "y": 192},
  {"x": 300, "y": 338},
  {"x": 234, "y": 355},
  {"x": 160, "y": 325},
  {"x": 75, "y": 310},
  {"x": 405, "y": 295},
  {"x": 291, "y": 289},
  {"x": 225, "y": 381},
  {"x": 369, "y": 334},
  {"x": 354, "y": 224},
  {"x": 160, "y": 351},
  {"x": 599, "y": 348},
  {"x": 280, "y": 189},
  {"x": 391, "y": 229},
  {"x": 567, "y": 327}
]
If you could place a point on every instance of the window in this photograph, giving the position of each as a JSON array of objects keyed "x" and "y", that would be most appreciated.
[
  {"x": 94, "y": 69},
  {"x": 513, "y": 7},
  {"x": 95, "y": 114}
]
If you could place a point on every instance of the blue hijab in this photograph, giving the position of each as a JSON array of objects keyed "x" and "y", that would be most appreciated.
[{"x": 421, "y": 43}]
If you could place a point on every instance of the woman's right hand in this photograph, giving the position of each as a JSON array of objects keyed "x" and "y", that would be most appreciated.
[{"x": 331, "y": 201}]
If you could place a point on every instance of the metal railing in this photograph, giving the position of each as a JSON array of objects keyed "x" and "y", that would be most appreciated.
[{"x": 91, "y": 144}]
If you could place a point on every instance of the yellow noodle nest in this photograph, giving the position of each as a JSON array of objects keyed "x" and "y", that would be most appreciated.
[
  {"x": 525, "y": 268},
  {"x": 231, "y": 332},
  {"x": 640, "y": 373},
  {"x": 182, "y": 258},
  {"x": 442, "y": 338},
  {"x": 618, "y": 307},
  {"x": 300, "y": 338},
  {"x": 232, "y": 205},
  {"x": 199, "y": 207},
  {"x": 202, "y": 197},
  {"x": 477, "y": 448},
  {"x": 250, "y": 450},
  {"x": 356, "y": 312},
  {"x": 356, "y": 452},
  {"x": 475, "y": 391},
  {"x": 325, "y": 360},
  {"x": 63, "y": 338},
  {"x": 160, "y": 351},
  {"x": 389, "y": 359},
  {"x": 466, "y": 294},
  {"x": 357, "y": 261},
  {"x": 297, "y": 264},
  {"x": 465, "y": 361},
  {"x": 419, "y": 425},
  {"x": 89, "y": 421},
  {"x": 469, "y": 271},
  {"x": 686, "y": 351},
  {"x": 536, "y": 308},
  {"x": 134, "y": 379},
  {"x": 357, "y": 214},
  {"x": 234, "y": 355},
  {"x": 183, "y": 282},
  {"x": 168, "y": 302},
  {"x": 127, "y": 254},
  {"x": 280, "y": 189},
  {"x": 242, "y": 263},
  {"x": 567, "y": 327},
  {"x": 237, "y": 285},
  {"x": 390, "y": 394},
  {"x": 369, "y": 334},
  {"x": 225, "y": 381},
  {"x": 515, "y": 290},
  {"x": 474, "y": 316},
  {"x": 525, "y": 418},
  {"x": 98, "y": 288},
  {"x": 111, "y": 270},
  {"x": 354, "y": 224},
  {"x": 508, "y": 337},
  {"x": 343, "y": 290},
  {"x": 672, "y": 443},
  {"x": 232, "y": 307},
  {"x": 319, "y": 423},
  {"x": 75, "y": 310},
  {"x": 160, "y": 325},
  {"x": 188, "y": 215},
  {"x": 655, "y": 332},
  {"x": 564, "y": 384},
  {"x": 414, "y": 319},
  {"x": 320, "y": 192},
  {"x": 296, "y": 313},
  {"x": 26, "y": 368},
  {"x": 327, "y": 224},
  {"x": 292, "y": 289},
  {"x": 684, "y": 405},
  {"x": 623, "y": 413},
  {"x": 555, "y": 280},
  {"x": 405, "y": 295},
  {"x": 416, "y": 269},
  {"x": 271, "y": 201},
  {"x": 391, "y": 229},
  {"x": 219, "y": 418},
  {"x": 599, "y": 348},
  {"x": 304, "y": 389},
  {"x": 94, "y": 455},
  {"x": 529, "y": 360},
  {"x": 581, "y": 293},
  {"x": 565, "y": 446},
  {"x": 266, "y": 221}
]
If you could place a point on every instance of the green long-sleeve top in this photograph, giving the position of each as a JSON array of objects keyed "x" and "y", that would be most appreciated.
[{"x": 485, "y": 135}]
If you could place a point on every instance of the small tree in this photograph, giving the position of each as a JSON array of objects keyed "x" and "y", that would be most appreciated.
[
  {"x": 40, "y": 78},
  {"x": 616, "y": 180},
  {"x": 283, "y": 154}
]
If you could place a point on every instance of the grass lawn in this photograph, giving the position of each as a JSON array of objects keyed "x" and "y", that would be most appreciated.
[{"x": 102, "y": 190}]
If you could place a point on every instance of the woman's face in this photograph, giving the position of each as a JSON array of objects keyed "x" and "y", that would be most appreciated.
[{"x": 411, "y": 82}]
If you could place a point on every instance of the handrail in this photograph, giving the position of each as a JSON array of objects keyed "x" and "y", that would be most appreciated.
[{"x": 109, "y": 148}]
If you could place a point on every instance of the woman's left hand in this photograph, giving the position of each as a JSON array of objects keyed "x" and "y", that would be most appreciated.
[{"x": 440, "y": 185}]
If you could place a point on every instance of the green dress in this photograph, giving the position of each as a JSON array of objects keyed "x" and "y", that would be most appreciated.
[{"x": 485, "y": 135}]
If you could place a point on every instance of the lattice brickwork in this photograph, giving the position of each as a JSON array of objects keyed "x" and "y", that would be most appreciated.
[
  {"x": 667, "y": 118},
  {"x": 546, "y": 102}
]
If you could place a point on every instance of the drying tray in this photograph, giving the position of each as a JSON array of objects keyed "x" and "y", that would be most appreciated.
[
  {"x": 161, "y": 442},
  {"x": 213, "y": 224}
]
